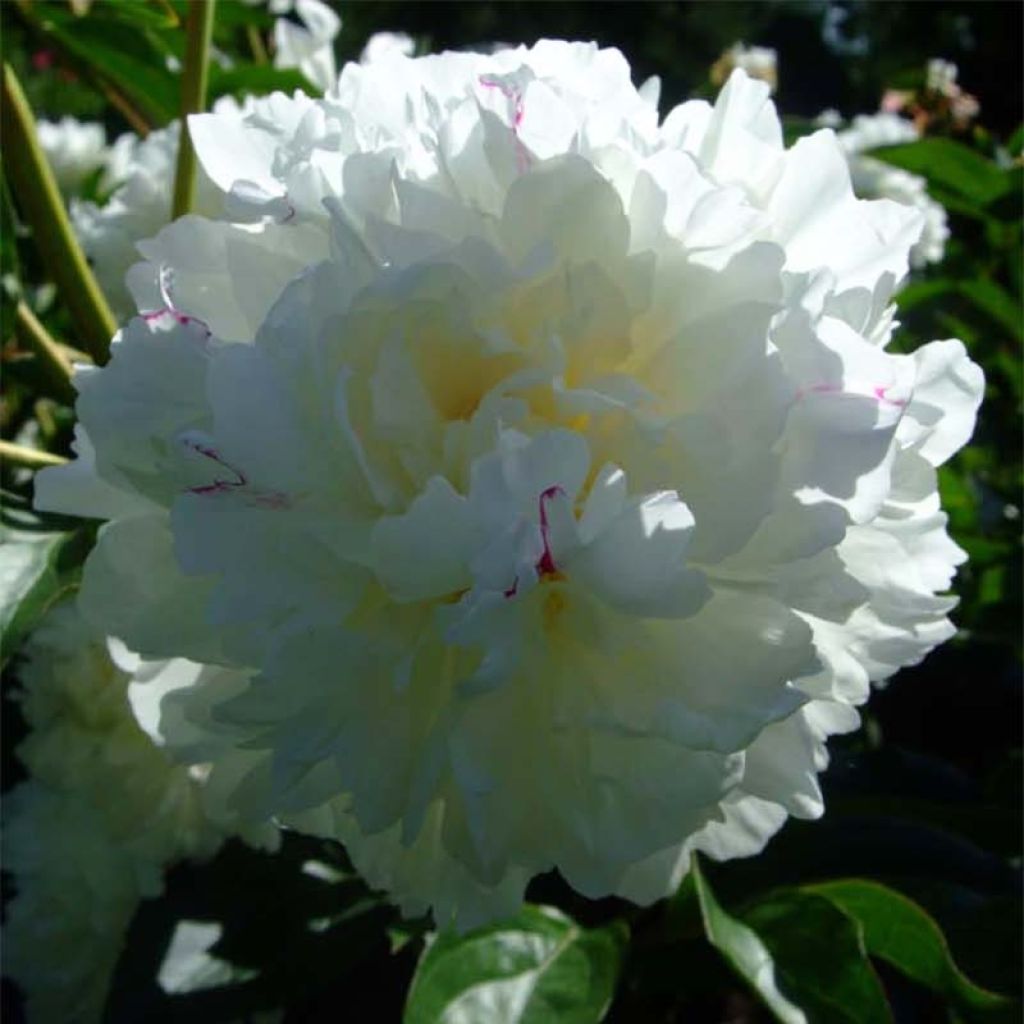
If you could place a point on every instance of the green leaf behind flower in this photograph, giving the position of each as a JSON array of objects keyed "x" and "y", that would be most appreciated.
[
  {"x": 743, "y": 948},
  {"x": 897, "y": 930},
  {"x": 537, "y": 967}
]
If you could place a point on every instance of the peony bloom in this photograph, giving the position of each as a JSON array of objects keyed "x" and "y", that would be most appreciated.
[
  {"x": 542, "y": 462},
  {"x": 138, "y": 173},
  {"x": 308, "y": 46},
  {"x": 74, "y": 150},
  {"x": 874, "y": 178},
  {"x": 98, "y": 786}
]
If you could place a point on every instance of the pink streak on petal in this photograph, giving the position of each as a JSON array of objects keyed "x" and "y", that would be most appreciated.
[
  {"x": 546, "y": 562},
  {"x": 218, "y": 486},
  {"x": 515, "y": 97},
  {"x": 240, "y": 485},
  {"x": 164, "y": 278},
  {"x": 880, "y": 394}
]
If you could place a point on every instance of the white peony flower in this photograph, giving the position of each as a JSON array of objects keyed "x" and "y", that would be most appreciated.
[
  {"x": 870, "y": 131},
  {"x": 139, "y": 173},
  {"x": 873, "y": 178},
  {"x": 308, "y": 46},
  {"x": 137, "y": 209},
  {"x": 544, "y": 463},
  {"x": 102, "y": 815},
  {"x": 74, "y": 150}
]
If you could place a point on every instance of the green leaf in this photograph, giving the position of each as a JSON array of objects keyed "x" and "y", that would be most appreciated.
[
  {"x": 918, "y": 292},
  {"x": 1016, "y": 143},
  {"x": 131, "y": 60},
  {"x": 982, "y": 293},
  {"x": 820, "y": 957},
  {"x": 996, "y": 302},
  {"x": 29, "y": 581},
  {"x": 139, "y": 14},
  {"x": 951, "y": 165},
  {"x": 897, "y": 930},
  {"x": 744, "y": 951},
  {"x": 535, "y": 968},
  {"x": 258, "y": 79}
]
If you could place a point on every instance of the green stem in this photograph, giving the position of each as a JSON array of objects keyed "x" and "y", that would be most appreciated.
[
  {"x": 30, "y": 458},
  {"x": 54, "y": 363},
  {"x": 199, "y": 30},
  {"x": 39, "y": 199},
  {"x": 259, "y": 51}
]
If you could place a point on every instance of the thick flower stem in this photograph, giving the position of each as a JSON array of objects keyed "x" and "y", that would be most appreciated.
[
  {"x": 199, "y": 30},
  {"x": 40, "y": 202},
  {"x": 52, "y": 357},
  {"x": 29, "y": 458}
]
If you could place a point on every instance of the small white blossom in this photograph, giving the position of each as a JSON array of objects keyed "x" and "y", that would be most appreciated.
[
  {"x": 873, "y": 178},
  {"x": 829, "y": 118},
  {"x": 941, "y": 76},
  {"x": 138, "y": 173},
  {"x": 542, "y": 462},
  {"x": 73, "y": 149},
  {"x": 310, "y": 45},
  {"x": 870, "y": 131}
]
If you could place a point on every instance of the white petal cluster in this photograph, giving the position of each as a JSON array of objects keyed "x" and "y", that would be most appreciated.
[
  {"x": 543, "y": 462},
  {"x": 308, "y": 46},
  {"x": 873, "y": 178},
  {"x": 74, "y": 150},
  {"x": 104, "y": 811},
  {"x": 941, "y": 75},
  {"x": 382, "y": 44},
  {"x": 139, "y": 174}
]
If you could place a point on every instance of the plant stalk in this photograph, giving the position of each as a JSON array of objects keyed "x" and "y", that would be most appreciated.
[
  {"x": 199, "y": 31},
  {"x": 53, "y": 361},
  {"x": 40, "y": 202},
  {"x": 29, "y": 458}
]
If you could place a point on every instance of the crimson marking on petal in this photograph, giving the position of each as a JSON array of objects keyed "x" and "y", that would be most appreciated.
[
  {"x": 218, "y": 486},
  {"x": 515, "y": 96},
  {"x": 511, "y": 592},
  {"x": 165, "y": 277},
  {"x": 546, "y": 563},
  {"x": 880, "y": 394},
  {"x": 258, "y": 499}
]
